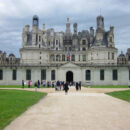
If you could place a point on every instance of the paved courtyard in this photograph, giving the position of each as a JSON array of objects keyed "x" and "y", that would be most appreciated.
[{"x": 89, "y": 109}]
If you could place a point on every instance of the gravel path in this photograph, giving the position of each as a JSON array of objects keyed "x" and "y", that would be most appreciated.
[{"x": 75, "y": 111}]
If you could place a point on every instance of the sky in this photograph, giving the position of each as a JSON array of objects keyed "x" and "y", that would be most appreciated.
[{"x": 15, "y": 14}]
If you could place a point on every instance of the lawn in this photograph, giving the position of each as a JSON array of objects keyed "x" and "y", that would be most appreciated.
[
  {"x": 124, "y": 95},
  {"x": 109, "y": 86},
  {"x": 15, "y": 102}
]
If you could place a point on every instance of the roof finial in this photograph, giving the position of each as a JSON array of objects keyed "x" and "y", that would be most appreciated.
[{"x": 100, "y": 11}]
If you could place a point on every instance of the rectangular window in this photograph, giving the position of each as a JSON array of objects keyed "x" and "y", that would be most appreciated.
[
  {"x": 115, "y": 75},
  {"x": 43, "y": 74},
  {"x": 28, "y": 74},
  {"x": 108, "y": 55},
  {"x": 79, "y": 57},
  {"x": 53, "y": 75},
  {"x": 39, "y": 38},
  {"x": 1, "y": 74},
  {"x": 112, "y": 56},
  {"x": 129, "y": 74},
  {"x": 84, "y": 57},
  {"x": 14, "y": 75},
  {"x": 101, "y": 74}
]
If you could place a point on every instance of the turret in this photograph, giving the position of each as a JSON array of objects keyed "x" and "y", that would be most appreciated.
[
  {"x": 68, "y": 31},
  {"x": 100, "y": 22},
  {"x": 27, "y": 27},
  {"x": 112, "y": 29},
  {"x": 44, "y": 27},
  {"x": 91, "y": 31},
  {"x": 35, "y": 23},
  {"x": 75, "y": 28}
]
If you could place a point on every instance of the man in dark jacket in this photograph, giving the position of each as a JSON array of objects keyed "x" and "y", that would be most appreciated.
[
  {"x": 66, "y": 88},
  {"x": 77, "y": 86}
]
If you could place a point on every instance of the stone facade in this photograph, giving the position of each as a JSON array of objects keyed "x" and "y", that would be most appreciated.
[{"x": 87, "y": 56}]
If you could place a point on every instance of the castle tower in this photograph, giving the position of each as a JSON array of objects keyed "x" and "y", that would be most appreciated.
[
  {"x": 75, "y": 28},
  {"x": 68, "y": 30},
  {"x": 100, "y": 22},
  {"x": 35, "y": 25}
]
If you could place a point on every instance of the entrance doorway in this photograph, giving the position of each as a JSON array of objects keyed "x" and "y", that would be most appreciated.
[{"x": 69, "y": 76}]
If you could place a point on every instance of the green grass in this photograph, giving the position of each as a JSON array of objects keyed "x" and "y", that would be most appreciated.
[
  {"x": 124, "y": 95},
  {"x": 15, "y": 102},
  {"x": 109, "y": 86},
  {"x": 17, "y": 86}
]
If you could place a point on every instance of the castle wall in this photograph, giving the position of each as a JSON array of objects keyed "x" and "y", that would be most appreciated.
[{"x": 79, "y": 74}]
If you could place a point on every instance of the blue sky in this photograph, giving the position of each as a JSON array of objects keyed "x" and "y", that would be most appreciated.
[{"x": 15, "y": 14}]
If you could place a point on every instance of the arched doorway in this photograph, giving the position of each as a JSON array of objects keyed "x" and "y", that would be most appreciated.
[{"x": 69, "y": 76}]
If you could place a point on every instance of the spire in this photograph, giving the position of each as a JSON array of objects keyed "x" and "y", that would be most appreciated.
[{"x": 68, "y": 31}]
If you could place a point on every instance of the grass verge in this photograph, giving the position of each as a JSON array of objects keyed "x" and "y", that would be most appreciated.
[
  {"x": 15, "y": 102},
  {"x": 108, "y": 86},
  {"x": 124, "y": 95}
]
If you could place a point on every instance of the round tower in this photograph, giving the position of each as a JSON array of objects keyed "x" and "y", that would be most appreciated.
[
  {"x": 35, "y": 20},
  {"x": 100, "y": 22}
]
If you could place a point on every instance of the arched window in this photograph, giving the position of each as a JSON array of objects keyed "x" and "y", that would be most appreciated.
[
  {"x": 53, "y": 75},
  {"x": 73, "y": 58},
  {"x": 63, "y": 57},
  {"x": 88, "y": 75}
]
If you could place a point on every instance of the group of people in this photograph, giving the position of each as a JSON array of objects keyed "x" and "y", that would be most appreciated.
[{"x": 58, "y": 85}]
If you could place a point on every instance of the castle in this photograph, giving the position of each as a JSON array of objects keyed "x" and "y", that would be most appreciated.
[{"x": 86, "y": 56}]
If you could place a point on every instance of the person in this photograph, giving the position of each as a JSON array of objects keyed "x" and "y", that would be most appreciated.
[
  {"x": 58, "y": 84},
  {"x": 48, "y": 84},
  {"x": 129, "y": 84},
  {"x": 55, "y": 85},
  {"x": 22, "y": 83},
  {"x": 38, "y": 84},
  {"x": 35, "y": 85},
  {"x": 66, "y": 88},
  {"x": 44, "y": 84},
  {"x": 29, "y": 82},
  {"x": 77, "y": 86},
  {"x": 41, "y": 83},
  {"x": 52, "y": 84}
]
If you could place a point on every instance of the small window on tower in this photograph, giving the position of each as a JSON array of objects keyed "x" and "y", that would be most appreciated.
[
  {"x": 39, "y": 38},
  {"x": 56, "y": 42},
  {"x": 110, "y": 39},
  {"x": 84, "y": 49},
  {"x": 83, "y": 42}
]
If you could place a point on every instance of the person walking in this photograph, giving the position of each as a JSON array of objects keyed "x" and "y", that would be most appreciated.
[
  {"x": 35, "y": 85},
  {"x": 38, "y": 84},
  {"x": 58, "y": 84},
  {"x": 77, "y": 86},
  {"x": 22, "y": 83},
  {"x": 129, "y": 84},
  {"x": 29, "y": 82},
  {"x": 66, "y": 88},
  {"x": 44, "y": 84}
]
